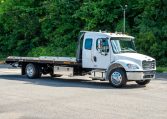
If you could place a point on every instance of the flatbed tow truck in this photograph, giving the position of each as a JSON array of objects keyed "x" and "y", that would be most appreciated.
[{"x": 102, "y": 55}]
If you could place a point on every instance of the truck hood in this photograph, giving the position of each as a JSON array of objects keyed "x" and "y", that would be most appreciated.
[{"x": 133, "y": 57}]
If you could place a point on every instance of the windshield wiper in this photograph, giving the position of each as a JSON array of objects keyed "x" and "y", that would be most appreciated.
[
  {"x": 123, "y": 51},
  {"x": 127, "y": 50}
]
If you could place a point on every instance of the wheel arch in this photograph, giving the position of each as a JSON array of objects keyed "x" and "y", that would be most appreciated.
[{"x": 112, "y": 67}]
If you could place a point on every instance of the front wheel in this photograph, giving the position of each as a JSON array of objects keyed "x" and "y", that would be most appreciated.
[
  {"x": 117, "y": 78},
  {"x": 143, "y": 82}
]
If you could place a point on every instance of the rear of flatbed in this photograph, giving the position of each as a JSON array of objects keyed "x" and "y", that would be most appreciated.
[{"x": 34, "y": 67}]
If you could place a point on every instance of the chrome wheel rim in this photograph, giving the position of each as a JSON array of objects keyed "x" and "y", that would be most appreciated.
[
  {"x": 116, "y": 78},
  {"x": 30, "y": 71}
]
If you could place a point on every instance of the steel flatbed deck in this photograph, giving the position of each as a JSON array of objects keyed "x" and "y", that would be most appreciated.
[{"x": 43, "y": 59}]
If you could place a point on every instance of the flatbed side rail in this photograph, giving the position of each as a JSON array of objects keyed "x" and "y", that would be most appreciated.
[{"x": 11, "y": 60}]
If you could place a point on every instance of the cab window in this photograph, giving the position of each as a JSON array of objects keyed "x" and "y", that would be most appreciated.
[{"x": 88, "y": 44}]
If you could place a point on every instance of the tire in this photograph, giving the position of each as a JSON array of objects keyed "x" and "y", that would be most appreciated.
[
  {"x": 32, "y": 71},
  {"x": 117, "y": 78},
  {"x": 143, "y": 82},
  {"x": 39, "y": 75}
]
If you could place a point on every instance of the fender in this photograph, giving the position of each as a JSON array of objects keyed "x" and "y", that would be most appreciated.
[
  {"x": 120, "y": 64},
  {"x": 113, "y": 66}
]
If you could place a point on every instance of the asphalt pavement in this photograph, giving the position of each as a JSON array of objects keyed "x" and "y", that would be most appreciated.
[{"x": 78, "y": 98}]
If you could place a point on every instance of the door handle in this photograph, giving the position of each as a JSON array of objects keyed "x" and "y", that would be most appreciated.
[{"x": 94, "y": 58}]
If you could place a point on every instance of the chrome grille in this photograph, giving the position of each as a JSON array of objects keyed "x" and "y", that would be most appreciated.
[{"x": 148, "y": 65}]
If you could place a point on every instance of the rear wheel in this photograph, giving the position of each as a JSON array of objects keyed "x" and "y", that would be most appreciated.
[
  {"x": 32, "y": 71},
  {"x": 117, "y": 78},
  {"x": 143, "y": 82}
]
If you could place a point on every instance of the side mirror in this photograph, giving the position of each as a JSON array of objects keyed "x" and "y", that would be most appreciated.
[{"x": 102, "y": 46}]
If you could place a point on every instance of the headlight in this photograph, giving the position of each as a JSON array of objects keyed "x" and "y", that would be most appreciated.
[{"x": 132, "y": 66}]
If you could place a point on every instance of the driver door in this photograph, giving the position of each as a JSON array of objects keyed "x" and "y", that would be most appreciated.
[{"x": 102, "y": 53}]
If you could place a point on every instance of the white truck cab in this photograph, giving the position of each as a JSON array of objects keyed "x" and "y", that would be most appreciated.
[
  {"x": 106, "y": 56},
  {"x": 113, "y": 57}
]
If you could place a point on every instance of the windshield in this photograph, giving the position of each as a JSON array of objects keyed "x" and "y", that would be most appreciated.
[{"x": 122, "y": 45}]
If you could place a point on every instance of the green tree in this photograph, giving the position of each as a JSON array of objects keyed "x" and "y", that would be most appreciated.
[{"x": 51, "y": 27}]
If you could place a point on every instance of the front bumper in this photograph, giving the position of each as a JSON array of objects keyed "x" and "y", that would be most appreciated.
[{"x": 144, "y": 75}]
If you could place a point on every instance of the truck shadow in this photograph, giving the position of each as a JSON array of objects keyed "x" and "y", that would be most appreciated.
[{"x": 65, "y": 82}]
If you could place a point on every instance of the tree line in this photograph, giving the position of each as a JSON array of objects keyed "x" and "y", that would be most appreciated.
[{"x": 51, "y": 27}]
